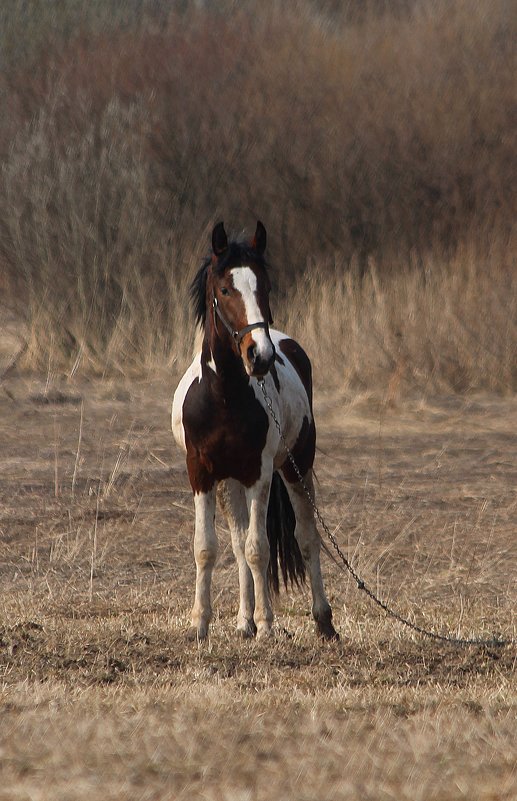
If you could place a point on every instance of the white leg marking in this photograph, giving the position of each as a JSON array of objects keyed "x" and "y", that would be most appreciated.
[
  {"x": 232, "y": 498},
  {"x": 205, "y": 551},
  {"x": 257, "y": 550}
]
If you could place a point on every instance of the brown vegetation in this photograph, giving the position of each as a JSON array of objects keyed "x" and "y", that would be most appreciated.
[{"x": 367, "y": 137}]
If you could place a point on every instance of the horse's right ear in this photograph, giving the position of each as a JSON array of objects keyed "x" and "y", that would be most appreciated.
[
  {"x": 219, "y": 239},
  {"x": 260, "y": 239}
]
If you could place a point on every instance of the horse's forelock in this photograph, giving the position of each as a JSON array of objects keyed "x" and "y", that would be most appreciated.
[{"x": 238, "y": 254}]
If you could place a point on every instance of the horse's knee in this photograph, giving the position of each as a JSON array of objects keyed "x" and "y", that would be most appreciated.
[
  {"x": 205, "y": 557},
  {"x": 257, "y": 553}
]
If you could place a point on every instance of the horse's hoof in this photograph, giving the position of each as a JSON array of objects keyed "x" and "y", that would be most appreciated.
[
  {"x": 264, "y": 632},
  {"x": 325, "y": 629},
  {"x": 247, "y": 631},
  {"x": 330, "y": 634},
  {"x": 194, "y": 634}
]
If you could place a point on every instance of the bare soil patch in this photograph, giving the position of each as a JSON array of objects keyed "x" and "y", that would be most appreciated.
[{"x": 102, "y": 697}]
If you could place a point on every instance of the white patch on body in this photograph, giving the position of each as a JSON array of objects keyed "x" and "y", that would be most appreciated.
[
  {"x": 291, "y": 405},
  {"x": 192, "y": 373},
  {"x": 245, "y": 282},
  {"x": 211, "y": 363}
]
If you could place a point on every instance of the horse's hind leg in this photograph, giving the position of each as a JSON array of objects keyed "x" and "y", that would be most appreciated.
[
  {"x": 309, "y": 541},
  {"x": 232, "y": 499}
]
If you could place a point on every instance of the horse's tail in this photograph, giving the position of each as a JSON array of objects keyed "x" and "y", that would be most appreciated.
[{"x": 283, "y": 547}]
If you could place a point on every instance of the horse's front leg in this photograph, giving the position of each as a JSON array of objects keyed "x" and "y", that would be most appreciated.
[
  {"x": 205, "y": 552},
  {"x": 257, "y": 550},
  {"x": 232, "y": 498}
]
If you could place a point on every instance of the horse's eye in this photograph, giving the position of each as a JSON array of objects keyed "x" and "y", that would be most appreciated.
[{"x": 224, "y": 291}]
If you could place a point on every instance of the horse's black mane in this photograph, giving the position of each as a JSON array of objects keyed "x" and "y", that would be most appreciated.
[{"x": 236, "y": 254}]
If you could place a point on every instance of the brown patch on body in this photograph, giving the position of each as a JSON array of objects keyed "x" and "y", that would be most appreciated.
[{"x": 225, "y": 432}]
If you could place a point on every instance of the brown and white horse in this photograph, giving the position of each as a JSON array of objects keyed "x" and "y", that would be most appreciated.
[{"x": 219, "y": 417}]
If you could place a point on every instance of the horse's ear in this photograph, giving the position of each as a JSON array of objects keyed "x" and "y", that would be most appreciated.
[
  {"x": 259, "y": 241},
  {"x": 219, "y": 239}
]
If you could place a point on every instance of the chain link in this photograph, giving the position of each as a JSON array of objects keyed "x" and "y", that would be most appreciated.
[{"x": 361, "y": 585}]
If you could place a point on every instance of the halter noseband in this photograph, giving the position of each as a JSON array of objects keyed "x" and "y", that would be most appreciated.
[{"x": 237, "y": 335}]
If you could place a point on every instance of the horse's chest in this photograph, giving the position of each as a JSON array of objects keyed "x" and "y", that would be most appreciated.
[{"x": 224, "y": 437}]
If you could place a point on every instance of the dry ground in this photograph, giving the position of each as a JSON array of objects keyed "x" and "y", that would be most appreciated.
[{"x": 102, "y": 698}]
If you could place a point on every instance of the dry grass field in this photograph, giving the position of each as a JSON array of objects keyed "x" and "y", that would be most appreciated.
[{"x": 101, "y": 697}]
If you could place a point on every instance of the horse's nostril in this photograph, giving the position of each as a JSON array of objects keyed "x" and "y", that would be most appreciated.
[{"x": 251, "y": 353}]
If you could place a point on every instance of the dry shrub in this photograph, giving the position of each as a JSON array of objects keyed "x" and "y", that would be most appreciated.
[
  {"x": 428, "y": 328},
  {"x": 370, "y": 135},
  {"x": 98, "y": 283}
]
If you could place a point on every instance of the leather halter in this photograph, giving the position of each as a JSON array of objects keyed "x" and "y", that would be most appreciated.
[{"x": 238, "y": 335}]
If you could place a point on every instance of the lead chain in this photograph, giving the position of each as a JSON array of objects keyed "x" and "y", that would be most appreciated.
[{"x": 359, "y": 581}]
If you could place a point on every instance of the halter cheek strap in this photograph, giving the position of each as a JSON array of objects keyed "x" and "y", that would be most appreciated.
[{"x": 237, "y": 335}]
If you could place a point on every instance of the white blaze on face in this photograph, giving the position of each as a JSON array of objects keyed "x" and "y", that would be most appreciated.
[{"x": 245, "y": 282}]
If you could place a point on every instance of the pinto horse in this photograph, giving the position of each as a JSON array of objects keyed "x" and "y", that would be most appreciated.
[{"x": 234, "y": 454}]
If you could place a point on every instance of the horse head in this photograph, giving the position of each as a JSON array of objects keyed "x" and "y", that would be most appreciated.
[{"x": 237, "y": 295}]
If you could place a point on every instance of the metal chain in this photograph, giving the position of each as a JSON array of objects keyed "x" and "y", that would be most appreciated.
[{"x": 361, "y": 585}]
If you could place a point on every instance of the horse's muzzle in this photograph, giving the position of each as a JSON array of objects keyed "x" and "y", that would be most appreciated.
[{"x": 258, "y": 366}]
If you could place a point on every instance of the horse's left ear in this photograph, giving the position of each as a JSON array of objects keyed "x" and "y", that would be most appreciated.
[
  {"x": 219, "y": 239},
  {"x": 259, "y": 241}
]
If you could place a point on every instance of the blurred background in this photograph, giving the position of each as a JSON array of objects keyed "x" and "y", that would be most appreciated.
[{"x": 374, "y": 138}]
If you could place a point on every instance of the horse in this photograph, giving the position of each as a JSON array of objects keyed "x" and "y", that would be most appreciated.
[{"x": 235, "y": 456}]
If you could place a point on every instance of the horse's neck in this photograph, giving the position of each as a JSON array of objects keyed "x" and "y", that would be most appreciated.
[{"x": 227, "y": 372}]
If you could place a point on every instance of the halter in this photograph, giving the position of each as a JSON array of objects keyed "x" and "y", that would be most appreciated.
[{"x": 237, "y": 335}]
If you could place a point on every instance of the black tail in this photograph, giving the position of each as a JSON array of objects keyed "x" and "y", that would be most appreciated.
[{"x": 283, "y": 548}]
